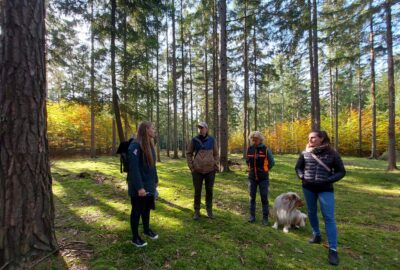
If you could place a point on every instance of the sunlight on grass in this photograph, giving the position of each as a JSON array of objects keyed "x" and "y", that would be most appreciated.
[{"x": 98, "y": 213}]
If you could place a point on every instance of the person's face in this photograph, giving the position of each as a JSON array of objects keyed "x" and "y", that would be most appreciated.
[
  {"x": 256, "y": 140},
  {"x": 202, "y": 130},
  {"x": 314, "y": 140},
  {"x": 151, "y": 132}
]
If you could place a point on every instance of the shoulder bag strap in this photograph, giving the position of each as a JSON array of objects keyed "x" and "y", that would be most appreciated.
[{"x": 320, "y": 162}]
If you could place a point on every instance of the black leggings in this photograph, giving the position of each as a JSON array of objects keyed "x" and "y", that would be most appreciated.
[{"x": 141, "y": 207}]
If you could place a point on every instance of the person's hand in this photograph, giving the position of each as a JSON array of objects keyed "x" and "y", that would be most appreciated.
[{"x": 142, "y": 192}]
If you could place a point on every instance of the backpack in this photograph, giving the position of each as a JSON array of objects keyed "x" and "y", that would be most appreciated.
[{"x": 123, "y": 152}]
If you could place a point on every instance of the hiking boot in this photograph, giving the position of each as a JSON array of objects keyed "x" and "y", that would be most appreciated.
[
  {"x": 252, "y": 219},
  {"x": 210, "y": 213},
  {"x": 315, "y": 239},
  {"x": 138, "y": 242},
  {"x": 333, "y": 257},
  {"x": 196, "y": 215},
  {"x": 152, "y": 235},
  {"x": 265, "y": 221}
]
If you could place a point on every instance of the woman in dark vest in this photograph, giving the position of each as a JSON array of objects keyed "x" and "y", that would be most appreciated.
[
  {"x": 142, "y": 181},
  {"x": 259, "y": 161},
  {"x": 319, "y": 166}
]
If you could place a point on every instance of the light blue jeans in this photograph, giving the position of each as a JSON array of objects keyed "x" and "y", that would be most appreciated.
[{"x": 327, "y": 204}]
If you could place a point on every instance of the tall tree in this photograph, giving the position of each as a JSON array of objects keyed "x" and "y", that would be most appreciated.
[
  {"x": 215, "y": 70},
  {"x": 183, "y": 85},
  {"x": 246, "y": 81},
  {"x": 391, "y": 91},
  {"x": 174, "y": 90},
  {"x": 316, "y": 122},
  {"x": 115, "y": 100},
  {"x": 374, "y": 153},
  {"x": 27, "y": 211},
  {"x": 223, "y": 89},
  {"x": 92, "y": 91}
]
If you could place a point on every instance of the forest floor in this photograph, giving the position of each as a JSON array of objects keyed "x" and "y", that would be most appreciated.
[{"x": 93, "y": 208}]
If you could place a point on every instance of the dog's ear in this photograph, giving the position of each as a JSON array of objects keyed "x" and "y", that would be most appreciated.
[{"x": 294, "y": 197}]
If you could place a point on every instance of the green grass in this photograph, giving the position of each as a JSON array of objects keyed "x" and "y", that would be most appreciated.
[{"x": 97, "y": 215}]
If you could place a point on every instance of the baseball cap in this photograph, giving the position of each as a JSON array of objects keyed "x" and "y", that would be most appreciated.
[{"x": 202, "y": 124}]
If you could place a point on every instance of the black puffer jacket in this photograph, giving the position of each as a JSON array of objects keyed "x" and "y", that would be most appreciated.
[{"x": 314, "y": 176}]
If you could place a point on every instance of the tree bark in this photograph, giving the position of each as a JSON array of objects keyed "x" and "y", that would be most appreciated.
[
  {"x": 215, "y": 73},
  {"x": 174, "y": 90},
  {"x": 158, "y": 99},
  {"x": 255, "y": 77},
  {"x": 311, "y": 60},
  {"x": 117, "y": 112},
  {"x": 374, "y": 153},
  {"x": 359, "y": 110},
  {"x": 246, "y": 83},
  {"x": 183, "y": 87},
  {"x": 223, "y": 89},
  {"x": 392, "y": 99},
  {"x": 26, "y": 201},
  {"x": 316, "y": 106},
  {"x": 206, "y": 76},
  {"x": 168, "y": 92},
  {"x": 191, "y": 85},
  {"x": 337, "y": 109},
  {"x": 92, "y": 91}
]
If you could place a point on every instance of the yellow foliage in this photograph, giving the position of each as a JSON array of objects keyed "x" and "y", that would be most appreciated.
[
  {"x": 69, "y": 128},
  {"x": 291, "y": 137}
]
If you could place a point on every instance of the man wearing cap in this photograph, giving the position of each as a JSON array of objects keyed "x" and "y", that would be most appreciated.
[{"x": 202, "y": 159}]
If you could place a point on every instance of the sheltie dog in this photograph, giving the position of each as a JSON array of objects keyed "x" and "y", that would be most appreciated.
[{"x": 285, "y": 211}]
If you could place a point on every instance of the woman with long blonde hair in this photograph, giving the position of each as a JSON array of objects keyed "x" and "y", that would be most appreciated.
[{"x": 142, "y": 181}]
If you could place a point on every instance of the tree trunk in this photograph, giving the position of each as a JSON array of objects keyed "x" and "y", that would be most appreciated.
[
  {"x": 359, "y": 110},
  {"x": 113, "y": 75},
  {"x": 183, "y": 87},
  {"x": 311, "y": 60},
  {"x": 374, "y": 153},
  {"x": 215, "y": 73},
  {"x": 114, "y": 138},
  {"x": 392, "y": 99},
  {"x": 331, "y": 98},
  {"x": 337, "y": 109},
  {"x": 223, "y": 94},
  {"x": 255, "y": 77},
  {"x": 316, "y": 121},
  {"x": 92, "y": 91},
  {"x": 191, "y": 85},
  {"x": 158, "y": 99},
  {"x": 125, "y": 80},
  {"x": 174, "y": 90},
  {"x": 206, "y": 76},
  {"x": 246, "y": 83},
  {"x": 168, "y": 93},
  {"x": 27, "y": 211}
]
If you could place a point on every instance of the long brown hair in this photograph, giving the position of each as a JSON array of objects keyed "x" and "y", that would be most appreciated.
[{"x": 145, "y": 142}]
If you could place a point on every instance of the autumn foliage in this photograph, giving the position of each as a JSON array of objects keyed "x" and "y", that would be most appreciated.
[{"x": 291, "y": 137}]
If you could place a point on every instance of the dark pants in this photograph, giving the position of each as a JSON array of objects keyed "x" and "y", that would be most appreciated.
[
  {"x": 198, "y": 186},
  {"x": 141, "y": 207},
  {"x": 263, "y": 186}
]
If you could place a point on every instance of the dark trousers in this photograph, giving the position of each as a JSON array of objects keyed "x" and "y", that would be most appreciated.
[
  {"x": 263, "y": 186},
  {"x": 141, "y": 207},
  {"x": 198, "y": 186}
]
